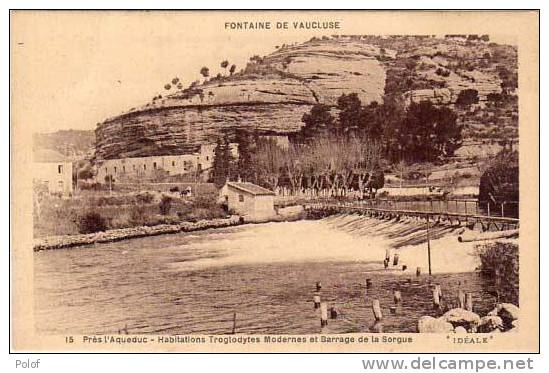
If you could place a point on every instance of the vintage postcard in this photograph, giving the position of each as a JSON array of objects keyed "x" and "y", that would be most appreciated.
[{"x": 275, "y": 181}]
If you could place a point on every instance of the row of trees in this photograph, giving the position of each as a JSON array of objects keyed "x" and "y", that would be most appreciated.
[
  {"x": 204, "y": 71},
  {"x": 332, "y": 165}
]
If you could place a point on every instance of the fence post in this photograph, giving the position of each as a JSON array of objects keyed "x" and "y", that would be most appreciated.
[
  {"x": 503, "y": 209},
  {"x": 488, "y": 208}
]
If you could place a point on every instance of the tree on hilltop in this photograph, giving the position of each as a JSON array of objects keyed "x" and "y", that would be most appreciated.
[
  {"x": 224, "y": 64},
  {"x": 205, "y": 72}
]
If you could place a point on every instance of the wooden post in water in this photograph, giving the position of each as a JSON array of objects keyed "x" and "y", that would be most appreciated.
[
  {"x": 323, "y": 314},
  {"x": 404, "y": 267},
  {"x": 316, "y": 301},
  {"x": 395, "y": 259},
  {"x": 368, "y": 283},
  {"x": 418, "y": 271},
  {"x": 439, "y": 289},
  {"x": 469, "y": 302},
  {"x": 386, "y": 263},
  {"x": 393, "y": 310},
  {"x": 429, "y": 246},
  {"x": 318, "y": 286},
  {"x": 333, "y": 313},
  {"x": 234, "y": 323},
  {"x": 376, "y": 308},
  {"x": 461, "y": 299},
  {"x": 436, "y": 297},
  {"x": 397, "y": 297}
]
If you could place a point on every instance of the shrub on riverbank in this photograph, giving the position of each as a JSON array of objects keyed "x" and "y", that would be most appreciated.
[
  {"x": 92, "y": 222},
  {"x": 165, "y": 205},
  {"x": 500, "y": 261}
]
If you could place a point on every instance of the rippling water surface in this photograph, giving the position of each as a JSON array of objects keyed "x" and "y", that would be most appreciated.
[{"x": 265, "y": 273}]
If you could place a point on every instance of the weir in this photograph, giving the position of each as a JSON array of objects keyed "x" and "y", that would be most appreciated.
[{"x": 484, "y": 222}]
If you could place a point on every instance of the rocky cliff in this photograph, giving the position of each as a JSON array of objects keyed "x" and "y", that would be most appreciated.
[{"x": 271, "y": 94}]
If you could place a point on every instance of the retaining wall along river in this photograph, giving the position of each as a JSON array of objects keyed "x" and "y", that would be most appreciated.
[{"x": 60, "y": 242}]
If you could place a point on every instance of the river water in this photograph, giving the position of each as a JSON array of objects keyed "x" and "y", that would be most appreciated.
[{"x": 265, "y": 273}]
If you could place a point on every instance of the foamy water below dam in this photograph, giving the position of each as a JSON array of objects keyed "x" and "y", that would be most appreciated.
[{"x": 265, "y": 273}]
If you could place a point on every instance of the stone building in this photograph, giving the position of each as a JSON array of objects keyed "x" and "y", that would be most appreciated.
[
  {"x": 248, "y": 200},
  {"x": 157, "y": 166},
  {"x": 53, "y": 171}
]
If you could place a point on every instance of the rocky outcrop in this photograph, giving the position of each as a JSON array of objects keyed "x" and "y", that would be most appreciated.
[
  {"x": 460, "y": 317},
  {"x": 269, "y": 99},
  {"x": 490, "y": 323},
  {"x": 181, "y": 130},
  {"x": 508, "y": 312},
  {"x": 503, "y": 318},
  {"x": 428, "y": 324},
  {"x": 271, "y": 94}
]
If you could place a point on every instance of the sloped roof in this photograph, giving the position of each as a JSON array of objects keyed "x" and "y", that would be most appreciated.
[
  {"x": 48, "y": 155},
  {"x": 250, "y": 188}
]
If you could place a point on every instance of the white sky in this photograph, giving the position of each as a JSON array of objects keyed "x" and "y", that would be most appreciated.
[{"x": 74, "y": 71}]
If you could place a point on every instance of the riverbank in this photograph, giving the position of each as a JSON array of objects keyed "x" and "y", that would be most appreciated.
[{"x": 60, "y": 242}]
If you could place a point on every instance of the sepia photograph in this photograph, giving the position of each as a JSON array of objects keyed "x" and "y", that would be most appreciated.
[{"x": 260, "y": 181}]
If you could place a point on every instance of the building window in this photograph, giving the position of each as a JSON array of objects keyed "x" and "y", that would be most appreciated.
[
  {"x": 240, "y": 198},
  {"x": 154, "y": 165},
  {"x": 60, "y": 169},
  {"x": 114, "y": 169},
  {"x": 145, "y": 167},
  {"x": 124, "y": 169},
  {"x": 207, "y": 158},
  {"x": 106, "y": 170},
  {"x": 173, "y": 163}
]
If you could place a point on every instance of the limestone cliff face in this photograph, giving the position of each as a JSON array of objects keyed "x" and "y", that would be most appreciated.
[
  {"x": 269, "y": 98},
  {"x": 273, "y": 92}
]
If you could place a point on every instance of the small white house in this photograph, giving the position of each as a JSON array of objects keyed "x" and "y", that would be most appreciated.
[
  {"x": 53, "y": 170},
  {"x": 252, "y": 202}
]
